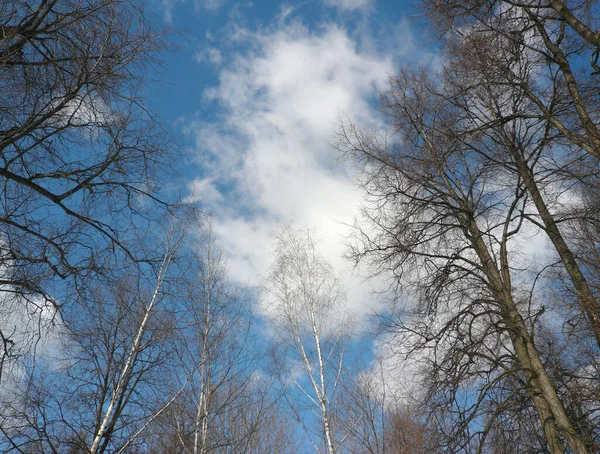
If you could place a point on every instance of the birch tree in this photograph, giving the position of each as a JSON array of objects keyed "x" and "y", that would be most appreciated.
[
  {"x": 126, "y": 375},
  {"x": 311, "y": 331},
  {"x": 108, "y": 379},
  {"x": 217, "y": 354}
]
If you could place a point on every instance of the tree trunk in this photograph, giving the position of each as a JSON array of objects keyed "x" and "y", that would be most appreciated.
[
  {"x": 588, "y": 302},
  {"x": 551, "y": 412}
]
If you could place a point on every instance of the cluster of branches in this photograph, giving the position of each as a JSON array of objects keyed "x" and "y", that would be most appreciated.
[
  {"x": 80, "y": 155},
  {"x": 341, "y": 406},
  {"x": 119, "y": 331},
  {"x": 497, "y": 146}
]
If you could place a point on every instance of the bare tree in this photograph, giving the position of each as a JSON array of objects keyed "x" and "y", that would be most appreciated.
[
  {"x": 537, "y": 52},
  {"x": 217, "y": 358},
  {"x": 515, "y": 106},
  {"x": 107, "y": 380},
  {"x": 481, "y": 79},
  {"x": 377, "y": 421},
  {"x": 311, "y": 329},
  {"x": 80, "y": 154},
  {"x": 445, "y": 221}
]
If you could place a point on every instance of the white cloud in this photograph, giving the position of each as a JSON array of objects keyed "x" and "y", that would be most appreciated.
[
  {"x": 168, "y": 6},
  {"x": 350, "y": 5},
  {"x": 209, "y": 4},
  {"x": 199, "y": 5},
  {"x": 210, "y": 55},
  {"x": 271, "y": 148}
]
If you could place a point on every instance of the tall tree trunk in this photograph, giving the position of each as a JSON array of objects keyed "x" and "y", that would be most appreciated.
[
  {"x": 202, "y": 413},
  {"x": 551, "y": 412},
  {"x": 322, "y": 394},
  {"x": 589, "y": 304},
  {"x": 121, "y": 388}
]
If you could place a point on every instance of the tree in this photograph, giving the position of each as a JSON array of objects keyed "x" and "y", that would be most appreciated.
[
  {"x": 376, "y": 421},
  {"x": 80, "y": 155},
  {"x": 538, "y": 53},
  {"x": 107, "y": 381},
  {"x": 217, "y": 357},
  {"x": 444, "y": 220},
  {"x": 311, "y": 328},
  {"x": 505, "y": 82},
  {"x": 529, "y": 145}
]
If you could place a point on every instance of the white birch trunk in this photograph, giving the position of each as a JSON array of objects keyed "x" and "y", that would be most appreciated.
[
  {"x": 121, "y": 386},
  {"x": 322, "y": 393},
  {"x": 203, "y": 407},
  {"x": 310, "y": 310}
]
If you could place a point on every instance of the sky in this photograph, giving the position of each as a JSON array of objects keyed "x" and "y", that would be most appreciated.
[{"x": 254, "y": 92}]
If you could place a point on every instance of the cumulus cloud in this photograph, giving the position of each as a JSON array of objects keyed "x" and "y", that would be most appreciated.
[{"x": 270, "y": 148}]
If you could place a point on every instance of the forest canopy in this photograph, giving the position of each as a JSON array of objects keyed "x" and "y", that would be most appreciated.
[{"x": 124, "y": 330}]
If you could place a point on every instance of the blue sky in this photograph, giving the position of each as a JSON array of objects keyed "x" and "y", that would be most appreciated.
[{"x": 254, "y": 91}]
